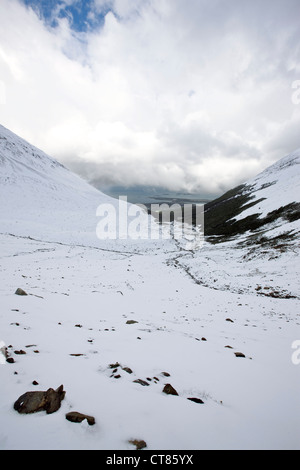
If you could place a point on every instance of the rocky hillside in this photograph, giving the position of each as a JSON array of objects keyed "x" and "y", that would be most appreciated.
[{"x": 268, "y": 204}]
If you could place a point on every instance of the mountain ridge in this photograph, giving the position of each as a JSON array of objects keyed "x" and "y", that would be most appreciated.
[
  {"x": 270, "y": 197},
  {"x": 49, "y": 202}
]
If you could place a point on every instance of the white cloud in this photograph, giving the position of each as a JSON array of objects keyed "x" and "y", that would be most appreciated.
[{"x": 189, "y": 95}]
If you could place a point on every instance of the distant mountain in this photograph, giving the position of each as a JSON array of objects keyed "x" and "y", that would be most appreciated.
[
  {"x": 148, "y": 195},
  {"x": 267, "y": 205},
  {"x": 42, "y": 199}
]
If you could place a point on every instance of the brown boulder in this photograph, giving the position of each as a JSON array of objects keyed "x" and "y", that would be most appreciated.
[
  {"x": 20, "y": 292},
  {"x": 239, "y": 354},
  {"x": 139, "y": 444},
  {"x": 32, "y": 402},
  {"x": 76, "y": 417},
  {"x": 169, "y": 390}
]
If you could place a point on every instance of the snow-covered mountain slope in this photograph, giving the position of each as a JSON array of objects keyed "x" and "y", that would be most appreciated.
[
  {"x": 269, "y": 203},
  {"x": 43, "y": 200},
  {"x": 278, "y": 186},
  {"x": 115, "y": 325},
  {"x": 253, "y": 235}
]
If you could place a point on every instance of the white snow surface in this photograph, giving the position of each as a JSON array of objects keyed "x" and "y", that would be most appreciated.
[
  {"x": 44, "y": 200},
  {"x": 182, "y": 302}
]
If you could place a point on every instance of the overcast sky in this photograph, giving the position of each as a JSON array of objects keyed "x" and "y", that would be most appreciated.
[{"x": 192, "y": 95}]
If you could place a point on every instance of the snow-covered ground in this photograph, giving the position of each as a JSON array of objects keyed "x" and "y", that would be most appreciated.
[
  {"x": 235, "y": 266},
  {"x": 250, "y": 402},
  {"x": 192, "y": 312}
]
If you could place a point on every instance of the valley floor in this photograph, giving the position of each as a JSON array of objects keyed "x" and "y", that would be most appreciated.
[{"x": 73, "y": 327}]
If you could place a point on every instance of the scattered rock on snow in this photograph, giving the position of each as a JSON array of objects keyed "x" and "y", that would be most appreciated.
[
  {"x": 20, "y": 292},
  {"x": 169, "y": 390},
  {"x": 32, "y": 402},
  {"x": 239, "y": 354},
  {"x": 131, "y": 322},
  {"x": 197, "y": 400},
  {"x": 139, "y": 444},
  {"x": 141, "y": 382},
  {"x": 76, "y": 417}
]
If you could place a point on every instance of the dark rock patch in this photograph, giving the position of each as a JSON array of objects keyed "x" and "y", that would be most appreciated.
[
  {"x": 138, "y": 444},
  {"x": 239, "y": 354},
  {"x": 20, "y": 292},
  {"x": 75, "y": 417},
  {"x": 141, "y": 382},
  {"x": 114, "y": 366},
  {"x": 32, "y": 402},
  {"x": 196, "y": 400},
  {"x": 169, "y": 390}
]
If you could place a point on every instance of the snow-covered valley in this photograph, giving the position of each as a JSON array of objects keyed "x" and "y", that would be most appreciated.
[{"x": 115, "y": 321}]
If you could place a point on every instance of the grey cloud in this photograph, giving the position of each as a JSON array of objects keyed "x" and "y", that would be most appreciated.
[{"x": 173, "y": 93}]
